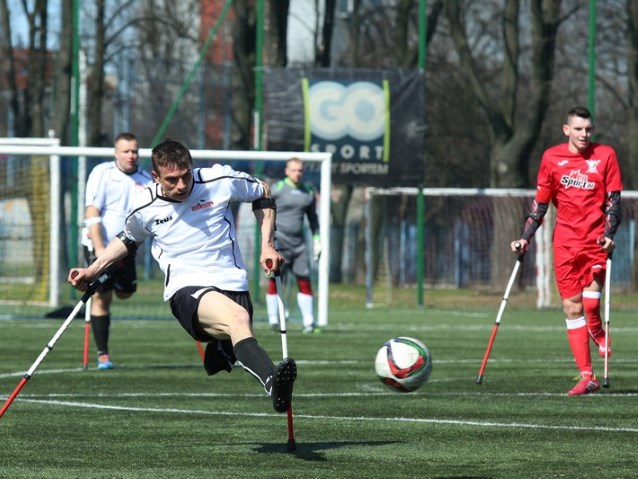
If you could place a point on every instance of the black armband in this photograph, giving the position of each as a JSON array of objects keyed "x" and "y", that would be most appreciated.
[
  {"x": 131, "y": 246},
  {"x": 534, "y": 220},
  {"x": 264, "y": 203},
  {"x": 612, "y": 213}
]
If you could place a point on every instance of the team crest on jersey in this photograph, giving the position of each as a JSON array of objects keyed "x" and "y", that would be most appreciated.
[
  {"x": 576, "y": 179},
  {"x": 201, "y": 204},
  {"x": 592, "y": 166}
]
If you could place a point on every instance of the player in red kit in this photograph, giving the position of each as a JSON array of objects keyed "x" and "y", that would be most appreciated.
[{"x": 583, "y": 181}]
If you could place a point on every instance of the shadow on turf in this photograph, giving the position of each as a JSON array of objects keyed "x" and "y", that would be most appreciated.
[{"x": 310, "y": 451}]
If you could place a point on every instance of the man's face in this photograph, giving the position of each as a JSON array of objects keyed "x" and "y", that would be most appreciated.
[
  {"x": 578, "y": 131},
  {"x": 176, "y": 183},
  {"x": 294, "y": 171},
  {"x": 126, "y": 155}
]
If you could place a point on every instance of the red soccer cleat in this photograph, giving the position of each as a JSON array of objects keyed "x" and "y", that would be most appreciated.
[{"x": 585, "y": 386}]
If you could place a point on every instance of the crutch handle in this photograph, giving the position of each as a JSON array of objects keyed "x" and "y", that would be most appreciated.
[
  {"x": 272, "y": 274},
  {"x": 103, "y": 278}
]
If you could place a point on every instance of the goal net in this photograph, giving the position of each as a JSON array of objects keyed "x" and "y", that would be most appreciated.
[
  {"x": 30, "y": 225},
  {"x": 466, "y": 249},
  {"x": 41, "y": 216}
]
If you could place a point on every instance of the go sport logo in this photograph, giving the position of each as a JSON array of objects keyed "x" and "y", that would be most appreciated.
[{"x": 349, "y": 120}]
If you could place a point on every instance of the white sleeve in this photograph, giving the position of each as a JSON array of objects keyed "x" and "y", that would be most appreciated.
[
  {"x": 94, "y": 194},
  {"x": 135, "y": 229},
  {"x": 240, "y": 186}
]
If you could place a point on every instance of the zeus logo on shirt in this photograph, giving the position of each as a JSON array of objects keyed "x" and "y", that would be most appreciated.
[
  {"x": 162, "y": 221},
  {"x": 576, "y": 179}
]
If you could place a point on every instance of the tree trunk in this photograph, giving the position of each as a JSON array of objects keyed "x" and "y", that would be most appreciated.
[
  {"x": 62, "y": 74},
  {"x": 96, "y": 83},
  {"x": 243, "y": 79},
  {"x": 276, "y": 33},
  {"x": 9, "y": 54},
  {"x": 323, "y": 48},
  {"x": 37, "y": 67}
]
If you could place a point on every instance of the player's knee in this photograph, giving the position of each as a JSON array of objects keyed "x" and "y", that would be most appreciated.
[
  {"x": 573, "y": 307},
  {"x": 241, "y": 319}
]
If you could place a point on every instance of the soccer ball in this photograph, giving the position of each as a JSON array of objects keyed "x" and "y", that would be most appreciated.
[{"x": 403, "y": 364}]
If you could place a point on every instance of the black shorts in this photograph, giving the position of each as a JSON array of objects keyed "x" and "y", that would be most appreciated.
[
  {"x": 185, "y": 301},
  {"x": 297, "y": 260},
  {"x": 124, "y": 281}
]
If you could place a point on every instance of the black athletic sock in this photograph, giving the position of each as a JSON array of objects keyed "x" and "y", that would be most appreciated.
[
  {"x": 100, "y": 326},
  {"x": 255, "y": 360}
]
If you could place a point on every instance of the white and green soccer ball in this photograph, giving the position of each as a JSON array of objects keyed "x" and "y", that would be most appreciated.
[{"x": 403, "y": 364}]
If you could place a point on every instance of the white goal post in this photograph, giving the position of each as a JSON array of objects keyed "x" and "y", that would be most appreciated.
[{"x": 19, "y": 146}]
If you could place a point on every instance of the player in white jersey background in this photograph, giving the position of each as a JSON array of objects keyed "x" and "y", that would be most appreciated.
[
  {"x": 110, "y": 191},
  {"x": 295, "y": 201},
  {"x": 187, "y": 215}
]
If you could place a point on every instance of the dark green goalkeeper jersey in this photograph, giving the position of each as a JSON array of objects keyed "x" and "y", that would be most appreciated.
[{"x": 293, "y": 202}]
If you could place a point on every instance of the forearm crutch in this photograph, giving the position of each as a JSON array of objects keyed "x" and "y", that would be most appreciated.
[
  {"x": 85, "y": 297},
  {"x": 488, "y": 350},
  {"x": 607, "y": 306},
  {"x": 292, "y": 445},
  {"x": 87, "y": 334}
]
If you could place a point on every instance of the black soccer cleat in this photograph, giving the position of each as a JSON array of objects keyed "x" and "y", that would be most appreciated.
[
  {"x": 219, "y": 356},
  {"x": 282, "y": 382}
]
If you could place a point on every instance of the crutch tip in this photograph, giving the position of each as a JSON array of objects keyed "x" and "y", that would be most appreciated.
[
  {"x": 291, "y": 446},
  {"x": 606, "y": 383},
  {"x": 479, "y": 380}
]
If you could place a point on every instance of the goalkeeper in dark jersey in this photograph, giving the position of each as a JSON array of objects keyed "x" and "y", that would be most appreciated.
[{"x": 295, "y": 200}]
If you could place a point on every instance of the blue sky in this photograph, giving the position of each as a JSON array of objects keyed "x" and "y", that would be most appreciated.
[{"x": 19, "y": 24}]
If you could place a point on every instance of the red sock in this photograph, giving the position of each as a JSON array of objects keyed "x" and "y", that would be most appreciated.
[
  {"x": 591, "y": 304},
  {"x": 578, "y": 338}
]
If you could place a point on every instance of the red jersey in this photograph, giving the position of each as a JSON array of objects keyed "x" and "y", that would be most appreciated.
[{"x": 577, "y": 184}]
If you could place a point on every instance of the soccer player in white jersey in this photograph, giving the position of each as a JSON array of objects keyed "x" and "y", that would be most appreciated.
[
  {"x": 110, "y": 191},
  {"x": 187, "y": 214}
]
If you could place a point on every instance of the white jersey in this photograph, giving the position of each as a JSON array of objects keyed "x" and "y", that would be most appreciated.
[
  {"x": 112, "y": 192},
  {"x": 194, "y": 240}
]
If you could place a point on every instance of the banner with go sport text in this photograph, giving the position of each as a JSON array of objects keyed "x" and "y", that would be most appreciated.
[{"x": 372, "y": 120}]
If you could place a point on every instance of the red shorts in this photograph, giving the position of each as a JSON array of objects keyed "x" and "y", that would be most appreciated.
[{"x": 577, "y": 266}]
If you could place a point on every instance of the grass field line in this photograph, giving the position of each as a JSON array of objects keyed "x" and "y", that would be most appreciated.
[
  {"x": 474, "y": 326},
  {"x": 403, "y": 327},
  {"x": 456, "y": 422},
  {"x": 361, "y": 394},
  {"x": 325, "y": 362}
]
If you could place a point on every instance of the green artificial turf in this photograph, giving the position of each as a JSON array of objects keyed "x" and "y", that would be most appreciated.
[{"x": 158, "y": 415}]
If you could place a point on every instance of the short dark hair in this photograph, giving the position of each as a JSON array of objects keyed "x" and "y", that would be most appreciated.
[
  {"x": 579, "y": 111},
  {"x": 125, "y": 136},
  {"x": 170, "y": 154}
]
